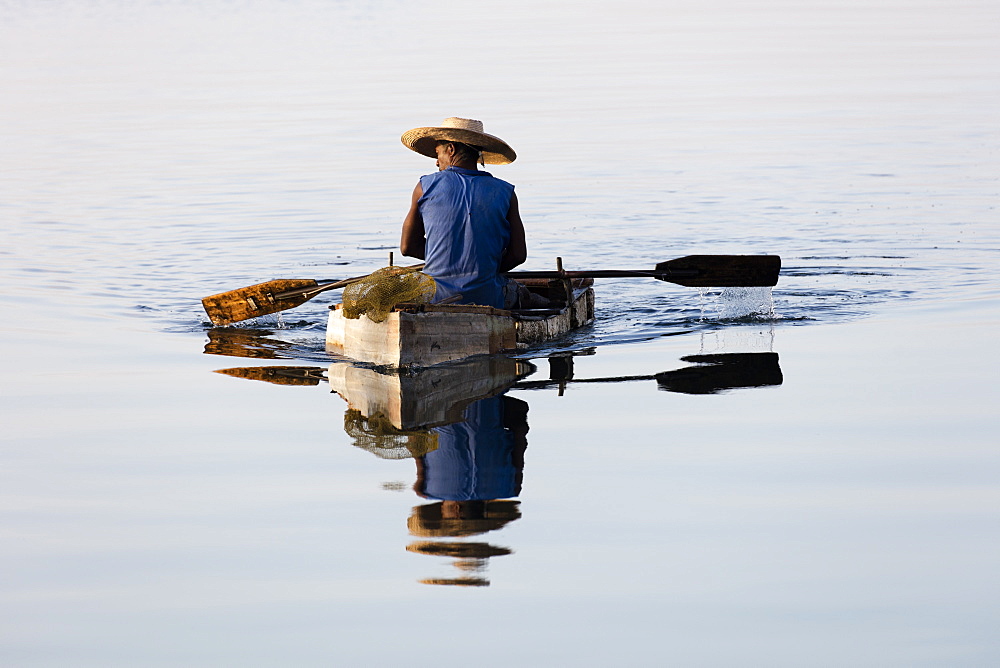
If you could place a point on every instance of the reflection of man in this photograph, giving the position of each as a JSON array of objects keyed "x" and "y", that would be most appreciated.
[
  {"x": 478, "y": 463},
  {"x": 477, "y": 459}
]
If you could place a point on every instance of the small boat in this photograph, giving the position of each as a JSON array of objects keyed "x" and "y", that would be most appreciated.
[{"x": 422, "y": 335}]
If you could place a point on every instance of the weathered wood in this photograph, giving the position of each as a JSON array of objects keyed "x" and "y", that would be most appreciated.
[
  {"x": 226, "y": 308},
  {"x": 422, "y": 338},
  {"x": 537, "y": 330},
  {"x": 280, "y": 294},
  {"x": 442, "y": 307},
  {"x": 431, "y": 334}
]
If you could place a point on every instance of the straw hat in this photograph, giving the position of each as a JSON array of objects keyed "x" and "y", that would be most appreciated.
[{"x": 464, "y": 130}]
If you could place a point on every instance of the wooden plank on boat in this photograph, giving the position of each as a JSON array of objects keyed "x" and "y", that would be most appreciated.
[
  {"x": 425, "y": 335},
  {"x": 421, "y": 339},
  {"x": 451, "y": 308},
  {"x": 531, "y": 330}
]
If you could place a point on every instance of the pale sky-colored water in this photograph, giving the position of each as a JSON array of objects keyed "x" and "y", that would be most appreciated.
[{"x": 155, "y": 513}]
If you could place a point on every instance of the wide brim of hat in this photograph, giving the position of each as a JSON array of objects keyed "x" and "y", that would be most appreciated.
[{"x": 424, "y": 141}]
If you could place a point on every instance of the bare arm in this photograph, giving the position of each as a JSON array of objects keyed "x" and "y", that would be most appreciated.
[
  {"x": 412, "y": 242},
  {"x": 517, "y": 250}
]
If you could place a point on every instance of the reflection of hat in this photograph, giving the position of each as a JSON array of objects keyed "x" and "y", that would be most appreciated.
[
  {"x": 457, "y": 550},
  {"x": 464, "y": 130},
  {"x": 477, "y": 517},
  {"x": 469, "y": 557},
  {"x": 457, "y": 582}
]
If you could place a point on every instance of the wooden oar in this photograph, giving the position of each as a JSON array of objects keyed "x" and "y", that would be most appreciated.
[
  {"x": 695, "y": 271},
  {"x": 280, "y": 294}
]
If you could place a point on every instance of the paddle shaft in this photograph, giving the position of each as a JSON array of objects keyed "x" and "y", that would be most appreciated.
[
  {"x": 663, "y": 275},
  {"x": 323, "y": 286},
  {"x": 604, "y": 273}
]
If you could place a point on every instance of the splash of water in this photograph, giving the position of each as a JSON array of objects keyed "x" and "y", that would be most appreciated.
[{"x": 737, "y": 304}]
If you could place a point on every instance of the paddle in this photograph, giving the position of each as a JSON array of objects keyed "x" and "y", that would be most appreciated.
[
  {"x": 693, "y": 271},
  {"x": 280, "y": 294}
]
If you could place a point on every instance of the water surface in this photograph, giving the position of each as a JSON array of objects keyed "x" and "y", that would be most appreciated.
[{"x": 818, "y": 480}]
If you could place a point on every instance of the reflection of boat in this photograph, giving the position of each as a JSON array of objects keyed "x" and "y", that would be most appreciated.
[
  {"x": 467, "y": 441},
  {"x": 428, "y": 334},
  {"x": 392, "y": 413},
  {"x": 426, "y": 398}
]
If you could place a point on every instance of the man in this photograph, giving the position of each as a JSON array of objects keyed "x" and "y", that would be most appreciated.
[{"x": 463, "y": 222}]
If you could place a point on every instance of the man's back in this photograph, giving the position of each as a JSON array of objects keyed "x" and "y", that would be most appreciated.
[
  {"x": 465, "y": 223},
  {"x": 464, "y": 213}
]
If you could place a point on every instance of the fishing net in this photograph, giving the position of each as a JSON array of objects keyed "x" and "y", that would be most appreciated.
[
  {"x": 377, "y": 435},
  {"x": 379, "y": 293}
]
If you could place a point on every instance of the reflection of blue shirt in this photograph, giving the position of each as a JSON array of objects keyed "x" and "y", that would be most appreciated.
[
  {"x": 474, "y": 458},
  {"x": 465, "y": 225}
]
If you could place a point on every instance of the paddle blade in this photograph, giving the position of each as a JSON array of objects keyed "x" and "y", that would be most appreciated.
[
  {"x": 721, "y": 271},
  {"x": 257, "y": 300}
]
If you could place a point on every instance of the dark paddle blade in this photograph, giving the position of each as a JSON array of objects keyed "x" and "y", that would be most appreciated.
[
  {"x": 256, "y": 300},
  {"x": 721, "y": 271}
]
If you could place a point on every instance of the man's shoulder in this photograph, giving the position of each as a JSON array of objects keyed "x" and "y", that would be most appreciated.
[{"x": 455, "y": 176}]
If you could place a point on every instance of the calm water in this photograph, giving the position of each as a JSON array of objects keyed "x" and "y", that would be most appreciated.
[{"x": 814, "y": 485}]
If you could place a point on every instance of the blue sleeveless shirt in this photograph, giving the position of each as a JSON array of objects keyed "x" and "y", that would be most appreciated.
[{"x": 466, "y": 228}]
